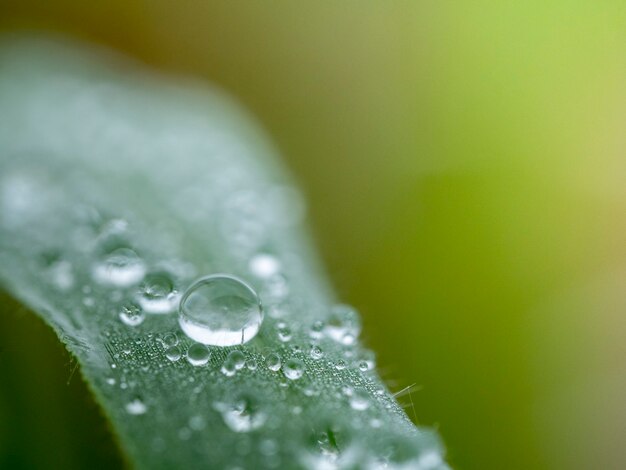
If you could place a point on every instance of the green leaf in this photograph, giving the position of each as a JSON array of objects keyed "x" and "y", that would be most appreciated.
[{"x": 118, "y": 189}]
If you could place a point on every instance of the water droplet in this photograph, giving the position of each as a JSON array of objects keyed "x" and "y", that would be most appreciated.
[
  {"x": 359, "y": 400},
  {"x": 293, "y": 369},
  {"x": 340, "y": 364},
  {"x": 198, "y": 354},
  {"x": 241, "y": 415},
  {"x": 251, "y": 364},
  {"x": 157, "y": 294},
  {"x": 61, "y": 275},
  {"x": 173, "y": 353},
  {"x": 220, "y": 310},
  {"x": 317, "y": 329},
  {"x": 238, "y": 359},
  {"x": 364, "y": 366},
  {"x": 284, "y": 333},
  {"x": 121, "y": 267},
  {"x": 197, "y": 423},
  {"x": 273, "y": 362},
  {"x": 111, "y": 381},
  {"x": 264, "y": 265},
  {"x": 233, "y": 362},
  {"x": 276, "y": 288},
  {"x": 316, "y": 352},
  {"x": 136, "y": 407},
  {"x": 343, "y": 324},
  {"x": 376, "y": 423},
  {"x": 132, "y": 315},
  {"x": 169, "y": 340},
  {"x": 228, "y": 368}
]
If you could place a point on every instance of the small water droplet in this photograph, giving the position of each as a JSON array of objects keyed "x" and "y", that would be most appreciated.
[
  {"x": 376, "y": 423},
  {"x": 359, "y": 400},
  {"x": 251, "y": 364},
  {"x": 121, "y": 267},
  {"x": 173, "y": 353},
  {"x": 293, "y": 369},
  {"x": 276, "y": 288},
  {"x": 364, "y": 366},
  {"x": 284, "y": 333},
  {"x": 340, "y": 364},
  {"x": 61, "y": 275},
  {"x": 136, "y": 407},
  {"x": 168, "y": 340},
  {"x": 273, "y": 362},
  {"x": 197, "y": 423},
  {"x": 157, "y": 294},
  {"x": 233, "y": 362},
  {"x": 111, "y": 381},
  {"x": 264, "y": 265},
  {"x": 343, "y": 324},
  {"x": 241, "y": 415},
  {"x": 132, "y": 315},
  {"x": 238, "y": 359},
  {"x": 316, "y": 352},
  {"x": 220, "y": 310},
  {"x": 317, "y": 329},
  {"x": 198, "y": 354}
]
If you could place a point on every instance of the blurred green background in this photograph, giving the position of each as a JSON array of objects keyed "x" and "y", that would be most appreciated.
[{"x": 465, "y": 168}]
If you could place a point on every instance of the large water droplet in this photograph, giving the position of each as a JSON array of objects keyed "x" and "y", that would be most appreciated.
[
  {"x": 198, "y": 354},
  {"x": 157, "y": 294},
  {"x": 220, "y": 310},
  {"x": 121, "y": 267}
]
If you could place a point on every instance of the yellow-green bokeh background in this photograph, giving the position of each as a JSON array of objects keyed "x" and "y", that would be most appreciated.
[{"x": 465, "y": 167}]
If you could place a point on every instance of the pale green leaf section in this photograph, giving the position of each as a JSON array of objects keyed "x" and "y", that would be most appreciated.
[{"x": 97, "y": 154}]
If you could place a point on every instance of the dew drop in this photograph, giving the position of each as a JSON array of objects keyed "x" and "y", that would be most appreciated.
[
  {"x": 276, "y": 288},
  {"x": 169, "y": 340},
  {"x": 343, "y": 324},
  {"x": 251, "y": 364},
  {"x": 237, "y": 358},
  {"x": 198, "y": 354},
  {"x": 132, "y": 315},
  {"x": 359, "y": 400},
  {"x": 173, "y": 353},
  {"x": 293, "y": 369},
  {"x": 264, "y": 265},
  {"x": 284, "y": 333},
  {"x": 340, "y": 364},
  {"x": 316, "y": 352},
  {"x": 157, "y": 294},
  {"x": 197, "y": 423},
  {"x": 228, "y": 368},
  {"x": 220, "y": 310},
  {"x": 233, "y": 362},
  {"x": 273, "y": 362},
  {"x": 136, "y": 407},
  {"x": 317, "y": 329},
  {"x": 121, "y": 267},
  {"x": 241, "y": 415}
]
